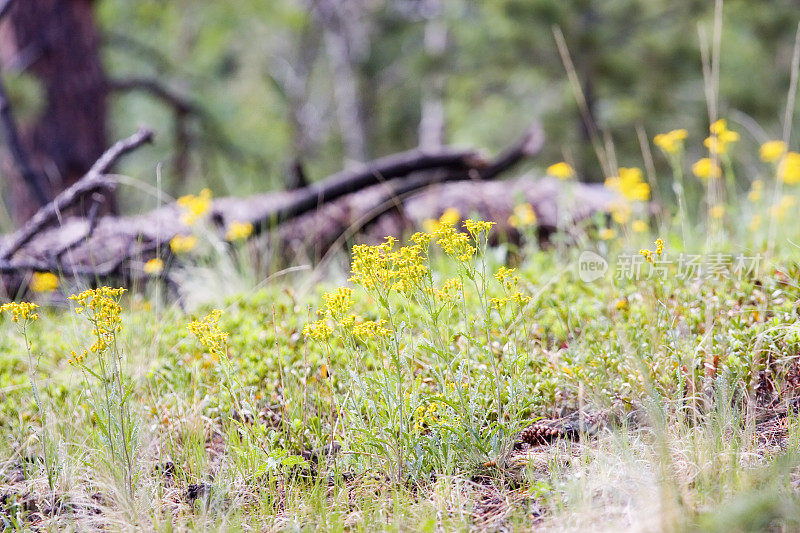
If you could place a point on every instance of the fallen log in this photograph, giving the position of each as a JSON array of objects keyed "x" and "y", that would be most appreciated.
[
  {"x": 386, "y": 196},
  {"x": 115, "y": 247}
]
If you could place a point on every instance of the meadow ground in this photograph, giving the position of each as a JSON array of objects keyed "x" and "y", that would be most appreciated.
[{"x": 638, "y": 373}]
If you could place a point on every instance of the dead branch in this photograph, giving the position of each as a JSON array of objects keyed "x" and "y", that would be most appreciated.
[
  {"x": 93, "y": 181},
  {"x": 419, "y": 183},
  {"x": 155, "y": 88}
]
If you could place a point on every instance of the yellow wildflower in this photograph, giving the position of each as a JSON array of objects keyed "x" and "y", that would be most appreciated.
[
  {"x": 718, "y": 127},
  {"x": 238, "y": 231},
  {"x": 717, "y": 211},
  {"x": 498, "y": 303},
  {"x": 622, "y": 304},
  {"x": 629, "y": 183},
  {"x": 789, "y": 169},
  {"x": 180, "y": 244},
  {"x": 101, "y": 307},
  {"x": 450, "y": 289},
  {"x": 194, "y": 207},
  {"x": 639, "y": 226},
  {"x": 371, "y": 266},
  {"x": 454, "y": 243},
  {"x": 338, "y": 303},
  {"x": 20, "y": 312},
  {"x": 720, "y": 137},
  {"x": 607, "y": 234},
  {"x": 504, "y": 273},
  {"x": 718, "y": 144},
  {"x": 561, "y": 170},
  {"x": 154, "y": 266},
  {"x": 671, "y": 142},
  {"x": 476, "y": 227},
  {"x": 370, "y": 329},
  {"x": 705, "y": 169},
  {"x": 77, "y": 358},
  {"x": 647, "y": 254},
  {"x": 772, "y": 151},
  {"x": 450, "y": 216},
  {"x": 755, "y": 191},
  {"x": 659, "y": 247},
  {"x": 410, "y": 267},
  {"x": 319, "y": 330},
  {"x": 430, "y": 225},
  {"x": 523, "y": 215},
  {"x": 209, "y": 333},
  {"x": 44, "y": 282}
]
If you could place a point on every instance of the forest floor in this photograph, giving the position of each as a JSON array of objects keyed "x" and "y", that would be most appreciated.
[{"x": 434, "y": 385}]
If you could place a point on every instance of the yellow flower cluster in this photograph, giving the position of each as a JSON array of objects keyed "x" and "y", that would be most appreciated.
[
  {"x": 717, "y": 211},
  {"x": 451, "y": 217},
  {"x": 101, "y": 307},
  {"x": 629, "y": 183},
  {"x": 238, "y": 231},
  {"x": 639, "y": 226},
  {"x": 516, "y": 297},
  {"x": 20, "y": 312},
  {"x": 506, "y": 276},
  {"x": 671, "y": 142},
  {"x": 181, "y": 244},
  {"x": 410, "y": 268},
  {"x": 318, "y": 330},
  {"x": 522, "y": 216},
  {"x": 77, "y": 358},
  {"x": 154, "y": 266},
  {"x": 649, "y": 255},
  {"x": 44, "y": 282},
  {"x": 209, "y": 333},
  {"x": 772, "y": 151},
  {"x": 706, "y": 169},
  {"x": 561, "y": 170},
  {"x": 339, "y": 303},
  {"x": 369, "y": 329},
  {"x": 455, "y": 243},
  {"x": 717, "y": 143},
  {"x": 755, "y": 191},
  {"x": 606, "y": 234},
  {"x": 371, "y": 266},
  {"x": 337, "y": 309},
  {"x": 424, "y": 417},
  {"x": 194, "y": 207},
  {"x": 509, "y": 280},
  {"x": 789, "y": 169},
  {"x": 476, "y": 227},
  {"x": 450, "y": 290}
]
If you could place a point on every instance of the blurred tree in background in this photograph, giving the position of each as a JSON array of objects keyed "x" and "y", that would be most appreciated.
[{"x": 252, "y": 95}]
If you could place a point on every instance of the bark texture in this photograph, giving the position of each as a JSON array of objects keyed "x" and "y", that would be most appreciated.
[{"x": 57, "y": 42}]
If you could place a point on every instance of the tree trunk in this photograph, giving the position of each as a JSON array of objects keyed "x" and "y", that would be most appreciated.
[
  {"x": 432, "y": 121},
  {"x": 345, "y": 39},
  {"x": 57, "y": 42}
]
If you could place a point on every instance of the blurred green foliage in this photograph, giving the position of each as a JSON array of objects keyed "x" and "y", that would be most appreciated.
[{"x": 254, "y": 67}]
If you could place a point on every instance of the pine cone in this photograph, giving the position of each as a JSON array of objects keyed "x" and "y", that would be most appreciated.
[{"x": 538, "y": 433}]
